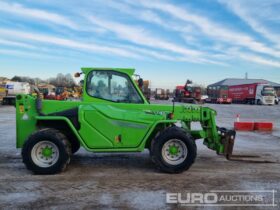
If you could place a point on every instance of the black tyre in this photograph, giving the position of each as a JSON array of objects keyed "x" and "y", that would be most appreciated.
[
  {"x": 46, "y": 151},
  {"x": 173, "y": 151}
]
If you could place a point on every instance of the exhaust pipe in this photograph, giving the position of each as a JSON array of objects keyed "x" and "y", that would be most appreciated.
[{"x": 39, "y": 103}]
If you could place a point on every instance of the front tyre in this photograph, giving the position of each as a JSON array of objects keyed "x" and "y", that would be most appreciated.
[
  {"x": 259, "y": 102},
  {"x": 46, "y": 151},
  {"x": 173, "y": 151}
]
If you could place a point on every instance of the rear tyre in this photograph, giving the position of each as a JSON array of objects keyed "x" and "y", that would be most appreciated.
[
  {"x": 173, "y": 151},
  {"x": 46, "y": 151}
]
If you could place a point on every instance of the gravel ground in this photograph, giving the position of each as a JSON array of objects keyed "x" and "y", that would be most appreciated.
[{"x": 130, "y": 181}]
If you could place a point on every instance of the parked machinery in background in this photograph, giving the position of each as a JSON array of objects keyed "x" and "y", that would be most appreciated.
[
  {"x": 51, "y": 92},
  {"x": 162, "y": 94},
  {"x": 188, "y": 93},
  {"x": 218, "y": 95},
  {"x": 2, "y": 92},
  {"x": 14, "y": 88},
  {"x": 144, "y": 86},
  {"x": 60, "y": 94},
  {"x": 255, "y": 93},
  {"x": 77, "y": 93},
  {"x": 261, "y": 94},
  {"x": 47, "y": 90}
]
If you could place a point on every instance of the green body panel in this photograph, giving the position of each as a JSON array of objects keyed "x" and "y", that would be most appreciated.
[
  {"x": 107, "y": 126},
  {"x": 120, "y": 123}
]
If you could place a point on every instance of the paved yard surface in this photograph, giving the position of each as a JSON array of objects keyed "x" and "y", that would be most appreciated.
[{"x": 130, "y": 181}]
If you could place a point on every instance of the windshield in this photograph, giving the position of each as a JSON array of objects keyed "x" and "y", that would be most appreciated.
[
  {"x": 268, "y": 91},
  {"x": 112, "y": 86}
]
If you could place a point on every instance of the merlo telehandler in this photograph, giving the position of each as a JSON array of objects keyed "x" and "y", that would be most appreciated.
[{"x": 113, "y": 116}]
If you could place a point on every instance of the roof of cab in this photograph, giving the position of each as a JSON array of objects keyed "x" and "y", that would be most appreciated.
[{"x": 128, "y": 71}]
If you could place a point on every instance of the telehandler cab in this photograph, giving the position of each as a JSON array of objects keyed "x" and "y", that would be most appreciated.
[{"x": 113, "y": 116}]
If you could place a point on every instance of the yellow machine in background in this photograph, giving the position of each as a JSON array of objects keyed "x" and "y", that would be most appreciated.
[
  {"x": 144, "y": 86},
  {"x": 3, "y": 92}
]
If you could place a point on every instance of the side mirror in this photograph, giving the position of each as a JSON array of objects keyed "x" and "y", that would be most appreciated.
[{"x": 77, "y": 75}]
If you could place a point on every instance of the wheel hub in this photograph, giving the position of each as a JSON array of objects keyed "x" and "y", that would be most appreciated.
[
  {"x": 47, "y": 152},
  {"x": 174, "y": 151}
]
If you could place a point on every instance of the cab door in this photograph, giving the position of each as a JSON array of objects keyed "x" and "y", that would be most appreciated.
[{"x": 116, "y": 119}]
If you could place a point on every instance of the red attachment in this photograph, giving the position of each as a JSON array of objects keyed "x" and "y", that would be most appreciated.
[
  {"x": 244, "y": 126},
  {"x": 263, "y": 126},
  {"x": 180, "y": 87}
]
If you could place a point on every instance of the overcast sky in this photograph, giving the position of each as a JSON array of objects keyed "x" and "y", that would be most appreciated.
[{"x": 167, "y": 42}]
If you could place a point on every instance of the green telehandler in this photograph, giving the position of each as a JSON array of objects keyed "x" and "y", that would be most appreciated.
[{"x": 113, "y": 116}]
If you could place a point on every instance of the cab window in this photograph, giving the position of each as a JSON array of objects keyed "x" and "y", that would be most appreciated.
[{"x": 112, "y": 86}]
